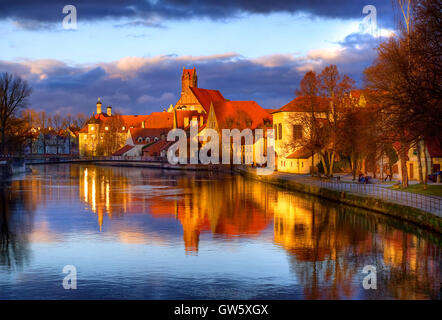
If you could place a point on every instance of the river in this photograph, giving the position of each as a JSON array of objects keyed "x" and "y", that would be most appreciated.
[{"x": 135, "y": 233}]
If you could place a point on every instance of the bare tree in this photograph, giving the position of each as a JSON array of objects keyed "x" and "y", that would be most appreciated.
[
  {"x": 14, "y": 93},
  {"x": 110, "y": 136},
  {"x": 406, "y": 77},
  {"x": 336, "y": 89}
]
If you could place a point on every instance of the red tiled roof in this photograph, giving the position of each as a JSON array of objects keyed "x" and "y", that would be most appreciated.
[
  {"x": 128, "y": 121},
  {"x": 240, "y": 114},
  {"x": 157, "y": 147},
  {"x": 299, "y": 105},
  {"x": 136, "y": 133},
  {"x": 301, "y": 153},
  {"x": 133, "y": 121},
  {"x": 159, "y": 120},
  {"x": 123, "y": 150},
  {"x": 206, "y": 96}
]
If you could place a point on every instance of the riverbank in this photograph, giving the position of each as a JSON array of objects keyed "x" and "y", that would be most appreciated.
[
  {"x": 165, "y": 166},
  {"x": 400, "y": 211},
  {"x": 10, "y": 167}
]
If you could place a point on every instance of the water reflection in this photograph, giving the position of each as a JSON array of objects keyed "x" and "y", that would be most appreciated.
[
  {"x": 15, "y": 222},
  {"x": 326, "y": 245}
]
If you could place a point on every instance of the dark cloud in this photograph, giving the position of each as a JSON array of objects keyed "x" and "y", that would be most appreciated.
[
  {"x": 137, "y": 85},
  {"x": 152, "y": 12}
]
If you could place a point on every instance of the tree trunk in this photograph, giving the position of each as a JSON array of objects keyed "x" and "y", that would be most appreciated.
[
  {"x": 332, "y": 161},
  {"x": 354, "y": 164},
  {"x": 403, "y": 159},
  {"x": 419, "y": 161},
  {"x": 313, "y": 163},
  {"x": 363, "y": 166},
  {"x": 426, "y": 166},
  {"x": 324, "y": 164},
  {"x": 3, "y": 141}
]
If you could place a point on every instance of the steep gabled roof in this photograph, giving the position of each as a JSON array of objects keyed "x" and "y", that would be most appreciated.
[
  {"x": 301, "y": 153},
  {"x": 300, "y": 104},
  {"x": 123, "y": 150},
  {"x": 240, "y": 114},
  {"x": 206, "y": 96},
  {"x": 136, "y": 133},
  {"x": 158, "y": 146}
]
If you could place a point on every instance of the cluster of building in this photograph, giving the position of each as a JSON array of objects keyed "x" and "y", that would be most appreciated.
[
  {"x": 145, "y": 136},
  {"x": 52, "y": 142}
]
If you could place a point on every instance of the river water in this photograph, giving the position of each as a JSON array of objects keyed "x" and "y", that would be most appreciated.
[{"x": 135, "y": 233}]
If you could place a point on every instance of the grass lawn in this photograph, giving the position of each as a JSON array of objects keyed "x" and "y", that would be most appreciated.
[{"x": 432, "y": 190}]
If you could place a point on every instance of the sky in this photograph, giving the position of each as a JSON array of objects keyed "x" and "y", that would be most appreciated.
[{"x": 131, "y": 52}]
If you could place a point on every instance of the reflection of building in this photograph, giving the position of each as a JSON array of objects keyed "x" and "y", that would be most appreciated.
[
  {"x": 327, "y": 246},
  {"x": 198, "y": 209}
]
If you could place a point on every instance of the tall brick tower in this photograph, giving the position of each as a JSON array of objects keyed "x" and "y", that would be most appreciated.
[{"x": 188, "y": 79}]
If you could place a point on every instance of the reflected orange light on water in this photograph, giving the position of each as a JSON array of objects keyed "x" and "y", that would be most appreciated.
[{"x": 233, "y": 208}]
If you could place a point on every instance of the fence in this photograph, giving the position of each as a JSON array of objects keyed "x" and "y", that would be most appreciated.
[{"x": 423, "y": 202}]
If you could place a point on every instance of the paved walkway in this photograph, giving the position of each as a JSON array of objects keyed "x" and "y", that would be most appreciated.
[{"x": 432, "y": 204}]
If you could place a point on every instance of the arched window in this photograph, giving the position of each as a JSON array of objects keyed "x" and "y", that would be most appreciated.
[
  {"x": 147, "y": 139},
  {"x": 156, "y": 139},
  {"x": 140, "y": 139}
]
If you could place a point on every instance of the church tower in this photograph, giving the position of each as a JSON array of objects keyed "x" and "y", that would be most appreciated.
[
  {"x": 98, "y": 106},
  {"x": 189, "y": 79}
]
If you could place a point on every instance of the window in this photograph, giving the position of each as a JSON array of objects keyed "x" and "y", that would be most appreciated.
[
  {"x": 156, "y": 139},
  {"x": 106, "y": 128},
  {"x": 297, "y": 131},
  {"x": 147, "y": 139},
  {"x": 140, "y": 139},
  {"x": 123, "y": 128},
  {"x": 276, "y": 131},
  {"x": 280, "y": 131}
]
